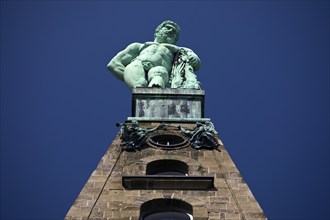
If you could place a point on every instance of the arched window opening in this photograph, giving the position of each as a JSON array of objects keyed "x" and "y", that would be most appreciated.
[
  {"x": 168, "y": 140},
  {"x": 166, "y": 209},
  {"x": 167, "y": 167}
]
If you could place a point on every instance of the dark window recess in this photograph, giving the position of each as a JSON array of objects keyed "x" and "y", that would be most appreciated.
[
  {"x": 168, "y": 174},
  {"x": 168, "y": 216},
  {"x": 167, "y": 167},
  {"x": 164, "y": 209},
  {"x": 168, "y": 182}
]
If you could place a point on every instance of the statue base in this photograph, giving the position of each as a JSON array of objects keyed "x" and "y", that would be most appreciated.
[{"x": 158, "y": 104}]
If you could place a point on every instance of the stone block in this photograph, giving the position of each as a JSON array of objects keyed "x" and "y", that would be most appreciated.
[
  {"x": 242, "y": 199},
  {"x": 220, "y": 183},
  {"x": 78, "y": 212},
  {"x": 214, "y": 216},
  {"x": 200, "y": 213},
  {"x": 97, "y": 214},
  {"x": 199, "y": 193},
  {"x": 233, "y": 216},
  {"x": 167, "y": 103},
  {"x": 80, "y": 203},
  {"x": 223, "y": 192},
  {"x": 255, "y": 215},
  {"x": 216, "y": 205},
  {"x": 250, "y": 207},
  {"x": 220, "y": 200},
  {"x": 101, "y": 204}
]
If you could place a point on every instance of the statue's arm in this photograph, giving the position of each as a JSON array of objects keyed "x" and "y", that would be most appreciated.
[
  {"x": 195, "y": 134},
  {"x": 154, "y": 129},
  {"x": 185, "y": 131},
  {"x": 122, "y": 59}
]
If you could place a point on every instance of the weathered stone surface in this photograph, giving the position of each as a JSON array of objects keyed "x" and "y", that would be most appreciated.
[
  {"x": 104, "y": 196},
  {"x": 167, "y": 103}
]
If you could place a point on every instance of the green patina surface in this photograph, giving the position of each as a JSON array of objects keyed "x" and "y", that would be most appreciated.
[
  {"x": 167, "y": 103},
  {"x": 159, "y": 63}
]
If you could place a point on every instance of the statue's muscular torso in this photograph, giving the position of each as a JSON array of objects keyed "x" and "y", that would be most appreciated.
[{"x": 157, "y": 54}]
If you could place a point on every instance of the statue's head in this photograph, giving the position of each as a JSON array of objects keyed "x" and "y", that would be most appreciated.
[{"x": 167, "y": 32}]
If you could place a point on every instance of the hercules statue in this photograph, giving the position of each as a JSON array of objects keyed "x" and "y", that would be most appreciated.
[{"x": 154, "y": 64}]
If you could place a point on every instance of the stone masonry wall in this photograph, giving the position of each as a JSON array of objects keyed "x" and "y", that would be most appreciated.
[{"x": 103, "y": 196}]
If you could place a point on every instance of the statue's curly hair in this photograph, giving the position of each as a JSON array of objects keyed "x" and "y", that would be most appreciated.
[{"x": 175, "y": 25}]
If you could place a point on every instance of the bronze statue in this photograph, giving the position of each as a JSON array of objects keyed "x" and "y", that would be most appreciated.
[
  {"x": 150, "y": 64},
  {"x": 133, "y": 137},
  {"x": 203, "y": 136}
]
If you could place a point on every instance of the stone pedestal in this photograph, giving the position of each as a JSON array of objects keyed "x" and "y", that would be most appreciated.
[{"x": 167, "y": 103}]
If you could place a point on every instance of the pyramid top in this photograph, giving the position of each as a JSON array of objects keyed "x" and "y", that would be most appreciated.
[{"x": 159, "y": 63}]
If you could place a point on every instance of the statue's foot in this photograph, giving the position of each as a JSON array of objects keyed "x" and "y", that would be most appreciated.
[
  {"x": 157, "y": 82},
  {"x": 155, "y": 86}
]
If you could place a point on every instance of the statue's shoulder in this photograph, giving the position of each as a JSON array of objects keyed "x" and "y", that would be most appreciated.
[
  {"x": 133, "y": 48},
  {"x": 172, "y": 47},
  {"x": 135, "y": 45}
]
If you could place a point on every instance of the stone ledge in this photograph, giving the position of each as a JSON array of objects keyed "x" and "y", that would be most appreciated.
[
  {"x": 172, "y": 182},
  {"x": 168, "y": 91},
  {"x": 161, "y": 119}
]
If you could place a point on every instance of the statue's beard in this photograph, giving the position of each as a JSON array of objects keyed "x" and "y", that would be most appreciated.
[{"x": 165, "y": 37}]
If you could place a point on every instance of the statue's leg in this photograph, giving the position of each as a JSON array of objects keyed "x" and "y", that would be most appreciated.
[
  {"x": 158, "y": 77},
  {"x": 134, "y": 75}
]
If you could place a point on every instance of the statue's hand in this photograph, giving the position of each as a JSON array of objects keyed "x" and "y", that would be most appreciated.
[{"x": 193, "y": 60}]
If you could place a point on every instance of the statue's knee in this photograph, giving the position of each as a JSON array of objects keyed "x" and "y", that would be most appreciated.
[
  {"x": 158, "y": 71},
  {"x": 134, "y": 76}
]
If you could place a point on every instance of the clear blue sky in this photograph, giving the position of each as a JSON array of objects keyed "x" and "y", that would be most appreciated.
[{"x": 265, "y": 70}]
